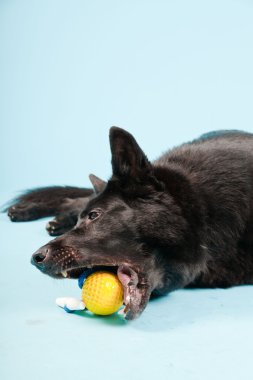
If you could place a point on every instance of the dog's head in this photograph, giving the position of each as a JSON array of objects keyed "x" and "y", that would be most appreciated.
[{"x": 127, "y": 228}]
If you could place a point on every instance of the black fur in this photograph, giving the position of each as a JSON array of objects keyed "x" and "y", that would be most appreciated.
[
  {"x": 64, "y": 202},
  {"x": 184, "y": 220}
]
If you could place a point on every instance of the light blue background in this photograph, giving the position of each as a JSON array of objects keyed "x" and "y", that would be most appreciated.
[{"x": 166, "y": 71}]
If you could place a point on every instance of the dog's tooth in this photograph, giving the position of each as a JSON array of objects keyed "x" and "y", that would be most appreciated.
[{"x": 64, "y": 273}]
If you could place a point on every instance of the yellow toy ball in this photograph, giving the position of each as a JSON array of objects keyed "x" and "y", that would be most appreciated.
[{"x": 102, "y": 293}]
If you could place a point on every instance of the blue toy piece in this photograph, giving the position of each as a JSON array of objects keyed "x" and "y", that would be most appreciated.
[{"x": 83, "y": 277}]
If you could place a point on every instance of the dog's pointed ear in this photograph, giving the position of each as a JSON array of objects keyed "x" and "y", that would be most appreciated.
[
  {"x": 128, "y": 160},
  {"x": 98, "y": 184}
]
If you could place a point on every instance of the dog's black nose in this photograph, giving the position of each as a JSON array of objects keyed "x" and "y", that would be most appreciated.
[{"x": 39, "y": 257}]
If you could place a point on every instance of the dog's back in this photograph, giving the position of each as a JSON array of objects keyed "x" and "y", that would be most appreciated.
[{"x": 220, "y": 167}]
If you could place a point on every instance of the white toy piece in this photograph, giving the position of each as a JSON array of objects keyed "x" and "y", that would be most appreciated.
[{"x": 70, "y": 304}]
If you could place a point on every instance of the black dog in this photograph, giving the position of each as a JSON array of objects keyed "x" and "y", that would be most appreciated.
[{"x": 185, "y": 220}]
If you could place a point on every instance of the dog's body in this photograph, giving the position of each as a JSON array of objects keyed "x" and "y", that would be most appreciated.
[{"x": 185, "y": 220}]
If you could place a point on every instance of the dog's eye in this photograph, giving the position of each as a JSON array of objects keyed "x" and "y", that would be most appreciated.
[{"x": 93, "y": 215}]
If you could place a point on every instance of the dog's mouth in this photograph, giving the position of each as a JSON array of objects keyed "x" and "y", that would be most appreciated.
[
  {"x": 134, "y": 283},
  {"x": 65, "y": 262}
]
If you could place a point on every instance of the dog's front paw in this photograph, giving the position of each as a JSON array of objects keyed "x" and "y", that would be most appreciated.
[
  {"x": 22, "y": 212},
  {"x": 60, "y": 225}
]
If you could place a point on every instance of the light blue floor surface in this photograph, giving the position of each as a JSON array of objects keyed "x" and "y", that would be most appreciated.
[{"x": 190, "y": 334}]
